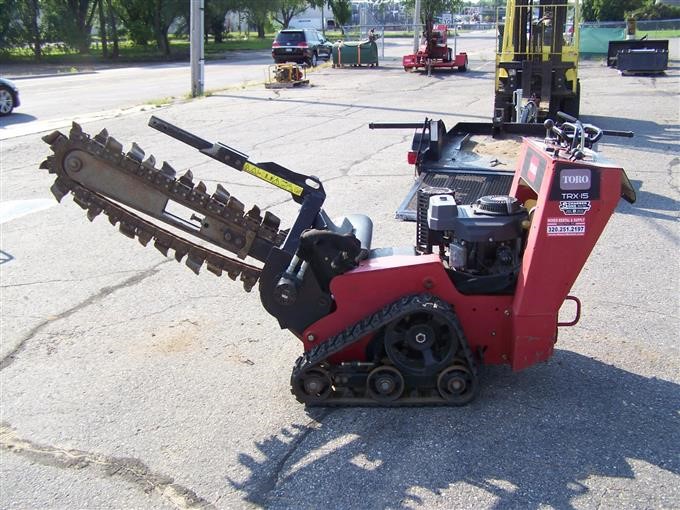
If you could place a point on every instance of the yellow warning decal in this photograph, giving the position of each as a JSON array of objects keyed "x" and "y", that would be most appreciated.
[{"x": 277, "y": 181}]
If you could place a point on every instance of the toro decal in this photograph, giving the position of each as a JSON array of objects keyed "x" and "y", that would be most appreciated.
[{"x": 574, "y": 188}]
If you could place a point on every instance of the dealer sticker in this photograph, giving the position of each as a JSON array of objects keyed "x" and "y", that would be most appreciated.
[
  {"x": 574, "y": 207},
  {"x": 566, "y": 226}
]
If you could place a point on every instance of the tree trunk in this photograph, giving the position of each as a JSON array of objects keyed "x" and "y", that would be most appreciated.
[
  {"x": 35, "y": 30},
  {"x": 114, "y": 30},
  {"x": 160, "y": 31},
  {"x": 102, "y": 29},
  {"x": 260, "y": 30}
]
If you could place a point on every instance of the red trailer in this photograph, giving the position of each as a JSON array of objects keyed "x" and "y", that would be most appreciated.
[{"x": 435, "y": 53}]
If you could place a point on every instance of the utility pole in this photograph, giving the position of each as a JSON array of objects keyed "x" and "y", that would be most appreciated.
[
  {"x": 196, "y": 47},
  {"x": 416, "y": 23}
]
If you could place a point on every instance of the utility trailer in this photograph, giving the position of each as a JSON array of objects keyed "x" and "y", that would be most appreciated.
[
  {"x": 472, "y": 159},
  {"x": 638, "y": 56}
]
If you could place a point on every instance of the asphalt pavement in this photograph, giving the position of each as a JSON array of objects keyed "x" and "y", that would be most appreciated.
[{"x": 128, "y": 382}]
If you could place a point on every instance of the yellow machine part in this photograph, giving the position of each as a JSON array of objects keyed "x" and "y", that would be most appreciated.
[{"x": 570, "y": 38}]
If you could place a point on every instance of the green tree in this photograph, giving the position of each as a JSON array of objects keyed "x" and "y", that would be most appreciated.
[
  {"x": 70, "y": 21},
  {"x": 286, "y": 10},
  {"x": 151, "y": 19},
  {"x": 342, "y": 12},
  {"x": 258, "y": 12},
  {"x": 656, "y": 11},
  {"x": 610, "y": 10},
  {"x": 20, "y": 26}
]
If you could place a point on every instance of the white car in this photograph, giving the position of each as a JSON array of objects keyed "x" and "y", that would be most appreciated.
[{"x": 9, "y": 97}]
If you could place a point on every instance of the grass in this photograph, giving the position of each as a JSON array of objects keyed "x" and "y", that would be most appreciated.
[
  {"x": 179, "y": 49},
  {"x": 658, "y": 34}
]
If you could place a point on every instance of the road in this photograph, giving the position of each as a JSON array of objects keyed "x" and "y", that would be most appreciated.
[
  {"x": 129, "y": 382},
  {"x": 53, "y": 101}
]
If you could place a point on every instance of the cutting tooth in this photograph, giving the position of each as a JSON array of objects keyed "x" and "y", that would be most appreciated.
[
  {"x": 150, "y": 162},
  {"x": 93, "y": 212},
  {"x": 161, "y": 248},
  {"x": 254, "y": 214},
  {"x": 181, "y": 249},
  {"x": 113, "y": 218},
  {"x": 127, "y": 230},
  {"x": 48, "y": 164},
  {"x": 233, "y": 273},
  {"x": 76, "y": 131},
  {"x": 216, "y": 270},
  {"x": 113, "y": 145},
  {"x": 168, "y": 170},
  {"x": 136, "y": 153},
  {"x": 248, "y": 282},
  {"x": 187, "y": 179},
  {"x": 102, "y": 136},
  {"x": 194, "y": 262},
  {"x": 201, "y": 187},
  {"x": 271, "y": 220},
  {"x": 59, "y": 189},
  {"x": 49, "y": 139},
  {"x": 83, "y": 201},
  {"x": 221, "y": 194},
  {"x": 235, "y": 204},
  {"x": 144, "y": 236}
]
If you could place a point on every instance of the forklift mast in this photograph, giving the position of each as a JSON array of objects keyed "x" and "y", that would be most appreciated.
[{"x": 537, "y": 62}]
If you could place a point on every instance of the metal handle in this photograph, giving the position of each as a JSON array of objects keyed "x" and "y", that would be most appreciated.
[{"x": 578, "y": 312}]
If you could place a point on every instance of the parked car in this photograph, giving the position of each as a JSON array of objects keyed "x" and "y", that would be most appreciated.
[
  {"x": 303, "y": 45},
  {"x": 9, "y": 97}
]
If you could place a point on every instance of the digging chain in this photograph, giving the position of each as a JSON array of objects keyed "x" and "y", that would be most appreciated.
[{"x": 220, "y": 205}]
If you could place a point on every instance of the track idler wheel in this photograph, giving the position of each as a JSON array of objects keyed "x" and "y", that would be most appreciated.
[
  {"x": 385, "y": 384},
  {"x": 457, "y": 384},
  {"x": 313, "y": 386}
]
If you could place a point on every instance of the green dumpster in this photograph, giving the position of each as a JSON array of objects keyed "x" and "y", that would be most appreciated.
[{"x": 355, "y": 53}]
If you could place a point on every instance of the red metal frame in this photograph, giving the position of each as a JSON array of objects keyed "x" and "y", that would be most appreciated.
[
  {"x": 437, "y": 55},
  {"x": 573, "y": 202}
]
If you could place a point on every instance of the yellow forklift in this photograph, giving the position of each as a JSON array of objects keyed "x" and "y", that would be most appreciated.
[{"x": 537, "y": 61}]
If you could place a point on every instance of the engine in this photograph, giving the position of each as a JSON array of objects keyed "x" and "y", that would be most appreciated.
[{"x": 481, "y": 244}]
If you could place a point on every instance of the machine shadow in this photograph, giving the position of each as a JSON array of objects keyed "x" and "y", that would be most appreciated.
[
  {"x": 650, "y": 204},
  {"x": 649, "y": 136},
  {"x": 530, "y": 439}
]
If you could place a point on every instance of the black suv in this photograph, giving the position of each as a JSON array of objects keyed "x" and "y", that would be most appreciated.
[{"x": 300, "y": 45}]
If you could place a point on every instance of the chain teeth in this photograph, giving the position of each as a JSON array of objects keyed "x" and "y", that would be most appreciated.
[
  {"x": 112, "y": 145},
  {"x": 52, "y": 137},
  {"x": 235, "y": 205},
  {"x": 271, "y": 221},
  {"x": 60, "y": 189},
  {"x": 127, "y": 229},
  {"x": 221, "y": 202},
  {"x": 136, "y": 153},
  {"x": 187, "y": 179},
  {"x": 102, "y": 136},
  {"x": 93, "y": 211},
  {"x": 150, "y": 162},
  {"x": 168, "y": 170}
]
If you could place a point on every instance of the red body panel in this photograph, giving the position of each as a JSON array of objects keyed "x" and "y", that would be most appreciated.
[
  {"x": 437, "y": 55},
  {"x": 574, "y": 201}
]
